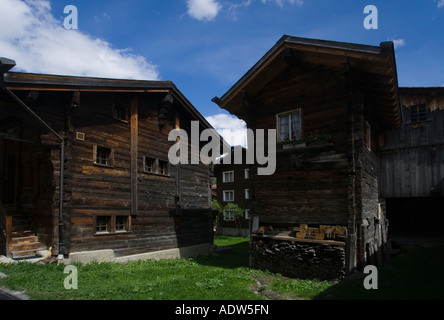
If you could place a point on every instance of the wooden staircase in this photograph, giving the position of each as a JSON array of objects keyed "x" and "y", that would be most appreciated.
[{"x": 25, "y": 242}]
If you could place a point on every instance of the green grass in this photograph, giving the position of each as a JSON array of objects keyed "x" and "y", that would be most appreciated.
[{"x": 416, "y": 274}]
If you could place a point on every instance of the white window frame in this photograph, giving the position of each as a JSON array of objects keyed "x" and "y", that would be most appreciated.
[
  {"x": 247, "y": 194},
  {"x": 289, "y": 114},
  {"x": 228, "y": 215},
  {"x": 247, "y": 174},
  {"x": 227, "y": 180},
  {"x": 247, "y": 214},
  {"x": 226, "y": 199}
]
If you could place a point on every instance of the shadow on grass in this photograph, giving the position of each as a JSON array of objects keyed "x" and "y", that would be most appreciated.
[
  {"x": 415, "y": 274},
  {"x": 232, "y": 253}
]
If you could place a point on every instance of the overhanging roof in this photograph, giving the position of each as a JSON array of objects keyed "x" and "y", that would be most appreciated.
[
  {"x": 43, "y": 82},
  {"x": 375, "y": 64}
]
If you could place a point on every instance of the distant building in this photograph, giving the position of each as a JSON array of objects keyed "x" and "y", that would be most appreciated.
[{"x": 234, "y": 186}]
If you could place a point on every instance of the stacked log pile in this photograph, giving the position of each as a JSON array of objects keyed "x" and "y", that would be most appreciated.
[{"x": 299, "y": 260}]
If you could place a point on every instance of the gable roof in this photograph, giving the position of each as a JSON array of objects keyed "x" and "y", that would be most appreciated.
[
  {"x": 45, "y": 82},
  {"x": 375, "y": 64}
]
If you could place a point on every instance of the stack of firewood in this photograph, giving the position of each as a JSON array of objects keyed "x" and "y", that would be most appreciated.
[{"x": 299, "y": 260}]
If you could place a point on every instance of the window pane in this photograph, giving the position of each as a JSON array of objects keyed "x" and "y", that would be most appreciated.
[
  {"x": 295, "y": 126},
  {"x": 163, "y": 168},
  {"x": 102, "y": 224},
  {"x": 284, "y": 128},
  {"x": 121, "y": 223},
  {"x": 228, "y": 176},
  {"x": 103, "y": 156},
  {"x": 149, "y": 165},
  {"x": 228, "y": 196},
  {"x": 418, "y": 113}
]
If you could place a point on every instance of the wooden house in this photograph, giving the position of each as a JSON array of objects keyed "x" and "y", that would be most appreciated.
[
  {"x": 319, "y": 215},
  {"x": 412, "y": 166},
  {"x": 121, "y": 196},
  {"x": 234, "y": 186}
]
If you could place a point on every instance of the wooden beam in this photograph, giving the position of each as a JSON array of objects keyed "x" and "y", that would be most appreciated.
[
  {"x": 134, "y": 154},
  {"x": 8, "y": 234}
]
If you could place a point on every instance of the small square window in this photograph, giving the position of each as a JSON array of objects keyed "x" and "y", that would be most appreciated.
[
  {"x": 289, "y": 125},
  {"x": 149, "y": 165},
  {"x": 418, "y": 113},
  {"x": 103, "y": 224},
  {"x": 228, "y": 215},
  {"x": 229, "y": 196},
  {"x": 120, "y": 112},
  {"x": 103, "y": 156},
  {"x": 163, "y": 168},
  {"x": 121, "y": 223},
  {"x": 228, "y": 176}
]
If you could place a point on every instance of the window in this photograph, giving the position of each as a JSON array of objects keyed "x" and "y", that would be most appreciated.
[
  {"x": 163, "y": 168},
  {"x": 103, "y": 224},
  {"x": 149, "y": 165},
  {"x": 156, "y": 166},
  {"x": 418, "y": 113},
  {"x": 247, "y": 174},
  {"x": 228, "y": 215},
  {"x": 247, "y": 214},
  {"x": 228, "y": 176},
  {"x": 112, "y": 224},
  {"x": 229, "y": 196},
  {"x": 120, "y": 112},
  {"x": 289, "y": 125},
  {"x": 247, "y": 194},
  {"x": 121, "y": 224},
  {"x": 103, "y": 156}
]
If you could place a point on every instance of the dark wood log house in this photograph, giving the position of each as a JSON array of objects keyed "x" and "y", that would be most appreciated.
[
  {"x": 121, "y": 196},
  {"x": 320, "y": 214},
  {"x": 412, "y": 163}
]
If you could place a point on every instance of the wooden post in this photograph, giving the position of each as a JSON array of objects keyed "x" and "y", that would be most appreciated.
[
  {"x": 134, "y": 152},
  {"x": 8, "y": 235}
]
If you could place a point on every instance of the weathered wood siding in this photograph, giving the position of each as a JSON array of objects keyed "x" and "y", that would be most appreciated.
[
  {"x": 107, "y": 191},
  {"x": 412, "y": 159},
  {"x": 310, "y": 184},
  {"x": 163, "y": 211}
]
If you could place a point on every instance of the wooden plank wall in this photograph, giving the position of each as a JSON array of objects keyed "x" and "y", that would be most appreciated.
[
  {"x": 91, "y": 190},
  {"x": 107, "y": 191},
  {"x": 310, "y": 184},
  {"x": 412, "y": 158}
]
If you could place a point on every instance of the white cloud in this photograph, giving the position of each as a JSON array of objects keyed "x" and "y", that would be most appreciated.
[
  {"x": 280, "y": 3},
  {"x": 440, "y": 3},
  {"x": 203, "y": 9},
  {"x": 38, "y": 42},
  {"x": 230, "y": 128},
  {"x": 398, "y": 43}
]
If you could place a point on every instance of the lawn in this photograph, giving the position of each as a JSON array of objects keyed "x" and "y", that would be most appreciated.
[{"x": 225, "y": 276}]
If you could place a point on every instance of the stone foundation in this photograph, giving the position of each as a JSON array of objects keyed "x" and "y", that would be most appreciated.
[
  {"x": 108, "y": 255},
  {"x": 299, "y": 260}
]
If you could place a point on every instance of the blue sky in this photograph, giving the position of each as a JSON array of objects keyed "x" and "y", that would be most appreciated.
[{"x": 205, "y": 46}]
